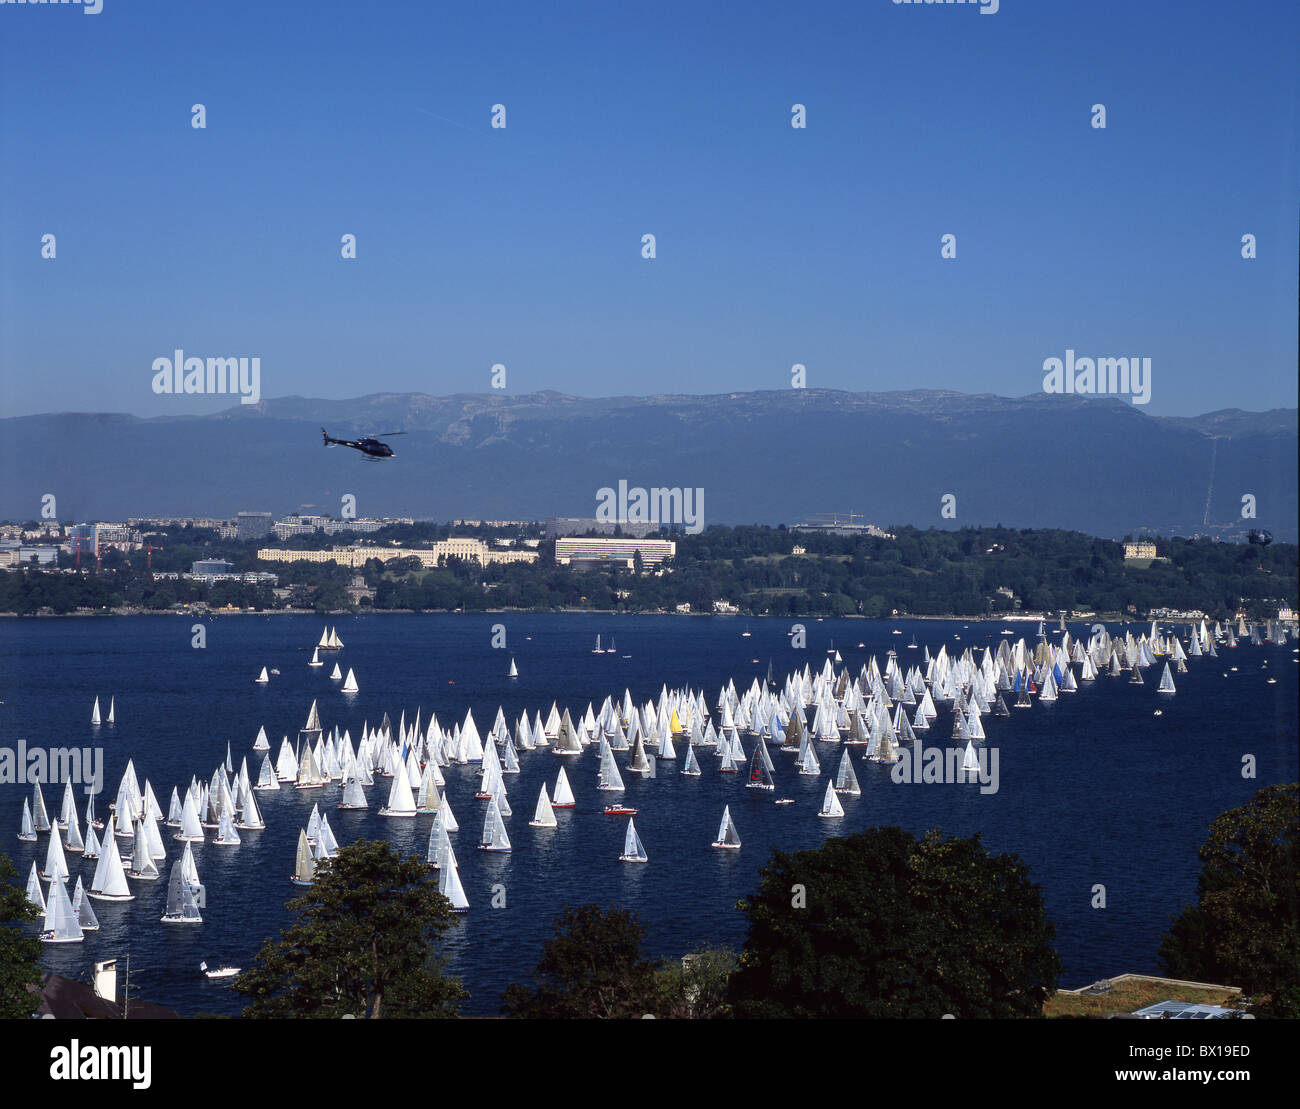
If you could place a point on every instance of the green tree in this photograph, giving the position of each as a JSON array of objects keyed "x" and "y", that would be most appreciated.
[
  {"x": 883, "y": 925},
  {"x": 363, "y": 944},
  {"x": 1244, "y": 929},
  {"x": 592, "y": 967},
  {"x": 19, "y": 954},
  {"x": 696, "y": 987}
]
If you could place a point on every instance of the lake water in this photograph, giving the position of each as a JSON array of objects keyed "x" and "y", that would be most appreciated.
[{"x": 1093, "y": 789}]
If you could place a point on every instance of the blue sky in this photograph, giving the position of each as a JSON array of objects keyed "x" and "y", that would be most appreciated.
[{"x": 522, "y": 245}]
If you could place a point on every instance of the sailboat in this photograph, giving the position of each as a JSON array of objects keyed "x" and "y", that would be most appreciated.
[
  {"x": 760, "y": 777},
  {"x": 142, "y": 864},
  {"x": 337, "y": 674},
  {"x": 109, "y": 883},
  {"x": 324, "y": 643},
  {"x": 34, "y": 894},
  {"x": 846, "y": 778},
  {"x": 61, "y": 925},
  {"x": 354, "y": 797},
  {"x": 81, "y": 907},
  {"x": 633, "y": 848},
  {"x": 304, "y": 869},
  {"x": 544, "y": 816},
  {"x": 1166, "y": 682},
  {"x": 350, "y": 682},
  {"x": 315, "y": 657},
  {"x": 94, "y": 714},
  {"x": 611, "y": 648},
  {"x": 691, "y": 766},
  {"x": 970, "y": 763},
  {"x": 562, "y": 798},
  {"x": 181, "y": 905},
  {"x": 450, "y": 888},
  {"x": 831, "y": 803},
  {"x": 27, "y": 833},
  {"x": 336, "y": 644},
  {"x": 728, "y": 837},
  {"x": 513, "y": 672},
  {"x": 262, "y": 678},
  {"x": 494, "y": 836},
  {"x": 401, "y": 799},
  {"x": 608, "y": 777},
  {"x": 597, "y": 649},
  {"x": 112, "y": 710}
]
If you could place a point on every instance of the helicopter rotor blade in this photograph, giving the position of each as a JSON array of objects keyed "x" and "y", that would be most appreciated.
[{"x": 385, "y": 434}]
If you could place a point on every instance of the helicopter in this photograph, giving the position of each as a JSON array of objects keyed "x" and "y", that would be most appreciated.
[{"x": 370, "y": 446}]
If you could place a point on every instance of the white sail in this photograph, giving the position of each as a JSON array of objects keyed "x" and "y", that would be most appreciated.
[
  {"x": 92, "y": 844},
  {"x": 727, "y": 837},
  {"x": 81, "y": 907},
  {"x": 261, "y": 743},
  {"x": 335, "y": 641},
  {"x": 263, "y": 677},
  {"x": 56, "y": 865},
  {"x": 181, "y": 905},
  {"x": 142, "y": 861},
  {"x": 544, "y": 816},
  {"x": 250, "y": 816},
  {"x": 61, "y": 924},
  {"x": 449, "y": 886},
  {"x": 34, "y": 892},
  {"x": 324, "y": 638},
  {"x": 304, "y": 869},
  {"x": 286, "y": 762},
  {"x": 494, "y": 836},
  {"x": 40, "y": 818},
  {"x": 1166, "y": 682},
  {"x": 831, "y": 803},
  {"x": 691, "y": 765},
  {"x": 27, "y": 832},
  {"x": 401, "y": 800},
  {"x": 94, "y": 713},
  {"x": 191, "y": 830},
  {"x": 354, "y": 797},
  {"x": 226, "y": 835},
  {"x": 563, "y": 795},
  {"x": 350, "y": 682},
  {"x": 266, "y": 776},
  {"x": 336, "y": 675},
  {"x": 513, "y": 672},
  {"x": 112, "y": 710},
  {"x": 189, "y": 868},
  {"x": 633, "y": 848},
  {"x": 846, "y": 778},
  {"x": 609, "y": 777},
  {"x": 109, "y": 883},
  {"x": 315, "y": 657}
]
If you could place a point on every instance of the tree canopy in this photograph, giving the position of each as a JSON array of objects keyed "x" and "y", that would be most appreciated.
[
  {"x": 883, "y": 925},
  {"x": 592, "y": 967},
  {"x": 19, "y": 954},
  {"x": 1244, "y": 929},
  {"x": 363, "y": 944}
]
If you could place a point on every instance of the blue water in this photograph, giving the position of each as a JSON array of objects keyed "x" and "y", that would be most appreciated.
[{"x": 1094, "y": 789}]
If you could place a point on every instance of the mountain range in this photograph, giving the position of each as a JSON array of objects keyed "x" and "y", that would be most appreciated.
[{"x": 1098, "y": 465}]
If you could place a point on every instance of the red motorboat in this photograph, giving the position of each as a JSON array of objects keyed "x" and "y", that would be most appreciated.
[{"x": 619, "y": 810}]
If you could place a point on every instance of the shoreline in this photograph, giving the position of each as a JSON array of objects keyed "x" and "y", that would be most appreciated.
[{"x": 983, "y": 618}]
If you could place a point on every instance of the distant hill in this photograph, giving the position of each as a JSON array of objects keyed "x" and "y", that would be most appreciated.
[{"x": 1099, "y": 465}]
